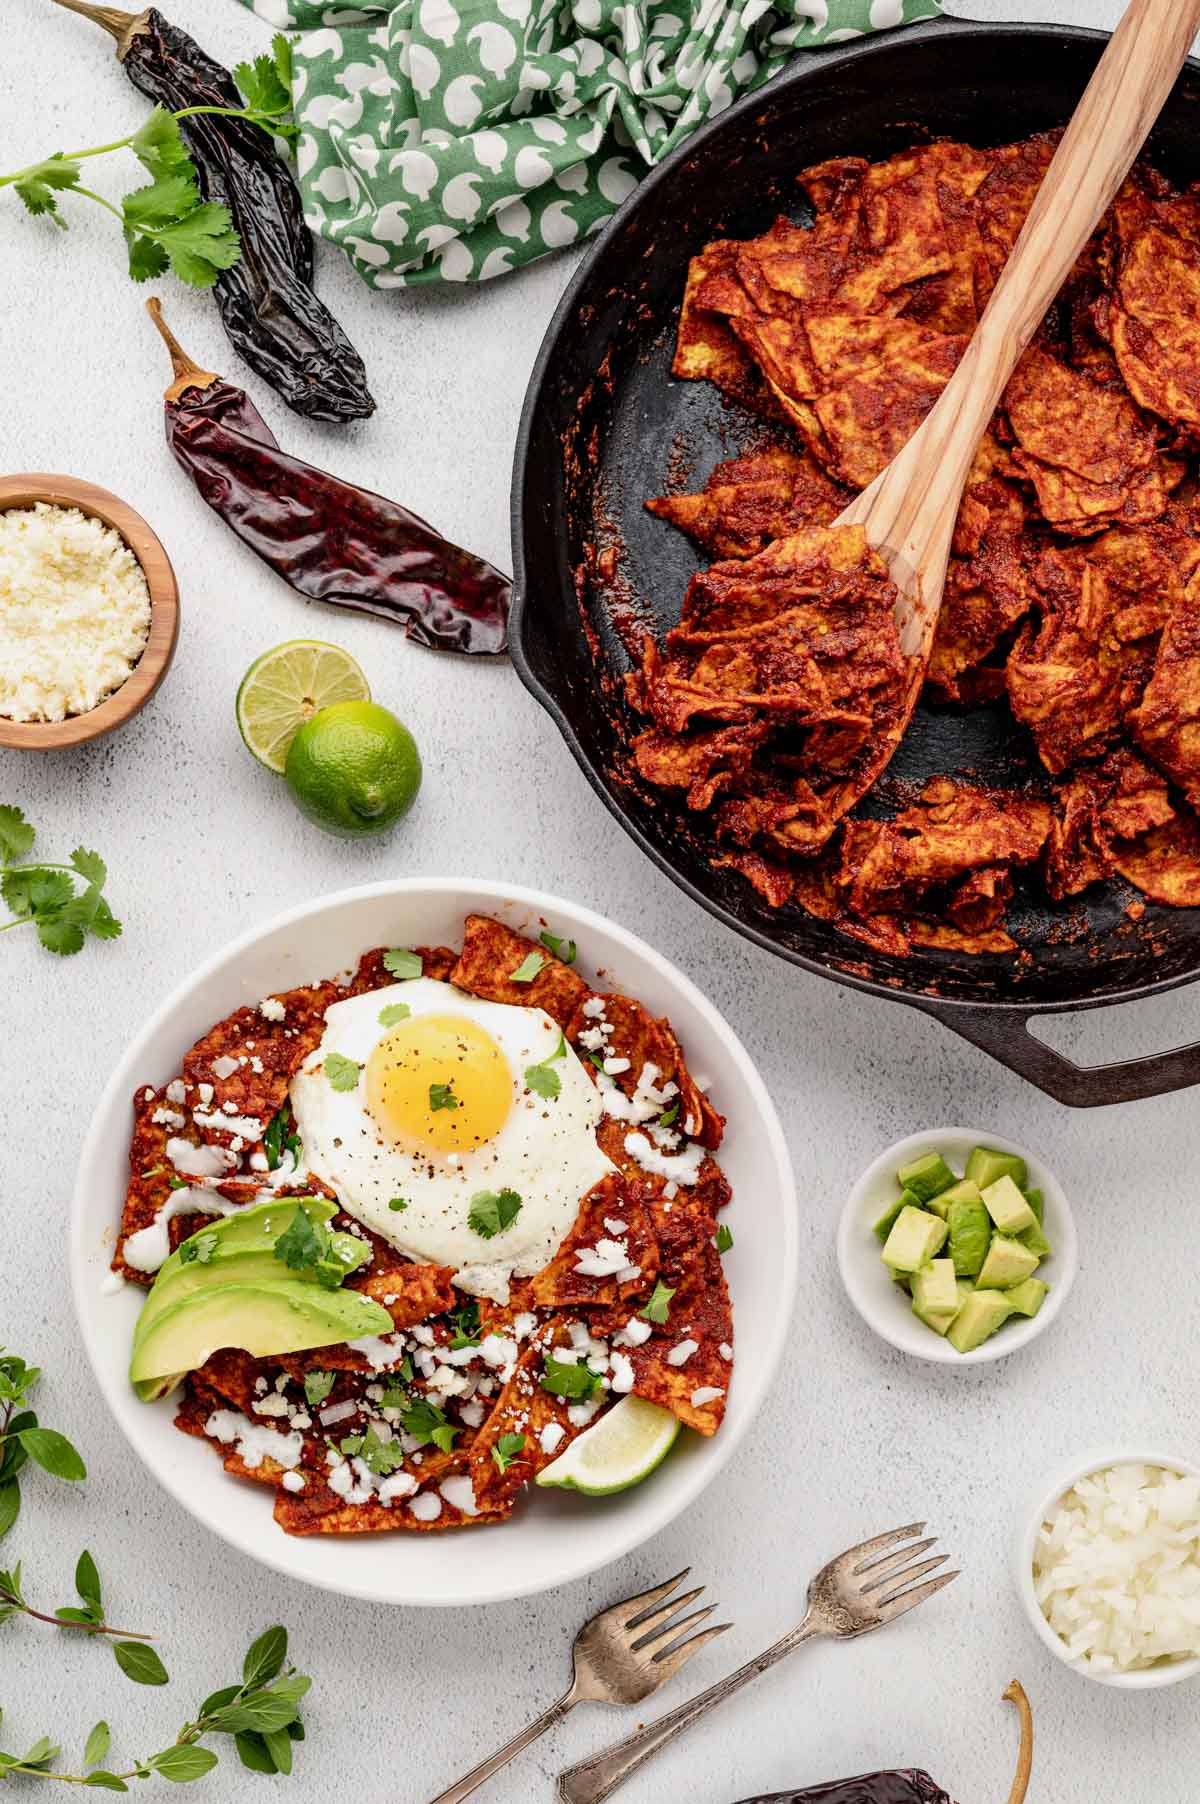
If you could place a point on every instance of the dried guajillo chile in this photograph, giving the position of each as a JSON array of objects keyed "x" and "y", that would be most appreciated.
[
  {"x": 330, "y": 540},
  {"x": 909, "y": 1786},
  {"x": 273, "y": 318}
]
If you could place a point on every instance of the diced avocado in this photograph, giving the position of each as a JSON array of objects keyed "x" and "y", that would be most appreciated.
[
  {"x": 983, "y": 1312},
  {"x": 1036, "y": 1202},
  {"x": 907, "y": 1199},
  {"x": 962, "y": 1192},
  {"x": 914, "y": 1240},
  {"x": 1027, "y": 1298},
  {"x": 965, "y": 1289},
  {"x": 283, "y": 1315},
  {"x": 935, "y": 1295},
  {"x": 1007, "y": 1207},
  {"x": 1007, "y": 1263},
  {"x": 255, "y": 1229},
  {"x": 926, "y": 1177},
  {"x": 1035, "y": 1240},
  {"x": 985, "y": 1165},
  {"x": 970, "y": 1235}
]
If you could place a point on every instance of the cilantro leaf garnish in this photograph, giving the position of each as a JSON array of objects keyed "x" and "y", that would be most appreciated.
[
  {"x": 403, "y": 963},
  {"x": 380, "y": 1457},
  {"x": 281, "y": 1137},
  {"x": 395, "y": 1397},
  {"x": 492, "y": 1211},
  {"x": 441, "y": 1096},
  {"x": 45, "y": 894},
  {"x": 670, "y": 1116},
  {"x": 343, "y": 1073},
  {"x": 724, "y": 1238},
  {"x": 199, "y": 1249},
  {"x": 542, "y": 1079},
  {"x": 266, "y": 82},
  {"x": 507, "y": 1449},
  {"x": 564, "y": 1380},
  {"x": 428, "y": 1424},
  {"x": 397, "y": 1204},
  {"x": 317, "y": 1386},
  {"x": 528, "y": 968},
  {"x": 466, "y": 1327},
  {"x": 566, "y": 950},
  {"x": 660, "y": 1299},
  {"x": 302, "y": 1243},
  {"x": 394, "y": 1012}
]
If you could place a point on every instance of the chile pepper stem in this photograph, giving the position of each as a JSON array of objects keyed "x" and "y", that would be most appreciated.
[
  {"x": 1020, "y": 1785},
  {"x": 119, "y": 24},
  {"x": 187, "y": 373}
]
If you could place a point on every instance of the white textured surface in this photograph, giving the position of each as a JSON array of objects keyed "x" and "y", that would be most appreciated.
[{"x": 201, "y": 843}]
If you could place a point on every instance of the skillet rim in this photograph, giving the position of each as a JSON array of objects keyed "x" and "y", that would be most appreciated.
[{"x": 945, "y": 1008}]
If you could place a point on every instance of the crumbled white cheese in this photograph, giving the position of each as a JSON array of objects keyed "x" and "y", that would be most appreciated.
[
  {"x": 725, "y": 1350},
  {"x": 293, "y": 1481},
  {"x": 622, "y": 1372},
  {"x": 603, "y": 1260},
  {"x": 593, "y": 1008},
  {"x": 74, "y": 612},
  {"x": 634, "y": 1333},
  {"x": 254, "y": 1442},
  {"x": 552, "y": 1437},
  {"x": 248, "y": 1127},
  {"x": 706, "y": 1393},
  {"x": 168, "y": 1118},
  {"x": 682, "y": 1352},
  {"x": 459, "y": 1492},
  {"x": 680, "y": 1168},
  {"x": 426, "y": 1506},
  {"x": 271, "y": 1009}
]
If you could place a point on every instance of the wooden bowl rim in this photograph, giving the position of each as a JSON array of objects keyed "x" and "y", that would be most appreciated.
[{"x": 24, "y": 490}]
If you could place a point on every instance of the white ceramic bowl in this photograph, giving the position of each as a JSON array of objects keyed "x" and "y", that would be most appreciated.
[
  {"x": 880, "y": 1301},
  {"x": 555, "y": 1536},
  {"x": 1150, "y": 1678}
]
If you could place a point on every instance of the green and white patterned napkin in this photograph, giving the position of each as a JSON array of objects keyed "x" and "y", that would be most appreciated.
[{"x": 453, "y": 140}]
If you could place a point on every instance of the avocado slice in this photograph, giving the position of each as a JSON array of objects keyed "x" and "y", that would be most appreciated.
[
  {"x": 1036, "y": 1202},
  {"x": 926, "y": 1176},
  {"x": 914, "y": 1240},
  {"x": 1007, "y": 1263},
  {"x": 249, "y": 1266},
  {"x": 255, "y": 1229},
  {"x": 281, "y": 1315},
  {"x": 970, "y": 1228},
  {"x": 907, "y": 1199},
  {"x": 983, "y": 1312},
  {"x": 1028, "y": 1297},
  {"x": 1007, "y": 1207},
  {"x": 986, "y": 1164},
  {"x": 962, "y": 1192},
  {"x": 935, "y": 1295}
]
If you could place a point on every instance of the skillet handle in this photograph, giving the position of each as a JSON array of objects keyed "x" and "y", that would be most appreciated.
[{"x": 1005, "y": 1035}]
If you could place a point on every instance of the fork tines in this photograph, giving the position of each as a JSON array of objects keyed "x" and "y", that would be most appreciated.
[
  {"x": 656, "y": 1630},
  {"x": 888, "y": 1569}
]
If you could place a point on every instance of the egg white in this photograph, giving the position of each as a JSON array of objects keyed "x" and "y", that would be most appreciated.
[{"x": 546, "y": 1149}]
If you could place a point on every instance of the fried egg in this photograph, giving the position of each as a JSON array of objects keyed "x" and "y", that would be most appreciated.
[{"x": 417, "y": 1101}]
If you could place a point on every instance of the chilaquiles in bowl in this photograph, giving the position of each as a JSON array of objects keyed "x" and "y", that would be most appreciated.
[{"x": 412, "y": 1230}]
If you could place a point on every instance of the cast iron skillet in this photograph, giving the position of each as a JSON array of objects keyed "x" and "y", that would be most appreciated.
[{"x": 604, "y": 426}]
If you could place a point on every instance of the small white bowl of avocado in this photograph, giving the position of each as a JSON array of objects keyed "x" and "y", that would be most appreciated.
[{"x": 957, "y": 1246}]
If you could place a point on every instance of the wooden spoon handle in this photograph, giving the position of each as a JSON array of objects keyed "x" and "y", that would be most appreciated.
[{"x": 910, "y": 508}]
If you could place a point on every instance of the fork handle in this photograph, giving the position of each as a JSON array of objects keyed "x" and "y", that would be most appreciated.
[
  {"x": 595, "y": 1779},
  {"x": 475, "y": 1778}
]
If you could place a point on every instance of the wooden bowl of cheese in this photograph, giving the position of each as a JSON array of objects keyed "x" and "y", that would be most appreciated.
[{"x": 89, "y": 612}]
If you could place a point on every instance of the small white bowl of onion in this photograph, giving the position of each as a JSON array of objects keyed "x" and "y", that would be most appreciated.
[{"x": 1108, "y": 1569}]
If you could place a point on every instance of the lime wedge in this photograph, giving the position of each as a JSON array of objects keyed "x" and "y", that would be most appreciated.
[
  {"x": 623, "y": 1448},
  {"x": 286, "y": 687}
]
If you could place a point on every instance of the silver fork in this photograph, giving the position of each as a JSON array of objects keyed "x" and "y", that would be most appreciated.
[
  {"x": 620, "y": 1657},
  {"x": 862, "y": 1589}
]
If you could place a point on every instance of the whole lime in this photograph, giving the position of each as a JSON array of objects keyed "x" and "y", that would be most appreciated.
[{"x": 353, "y": 769}]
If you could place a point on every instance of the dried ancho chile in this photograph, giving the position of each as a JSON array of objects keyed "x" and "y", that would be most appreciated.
[
  {"x": 909, "y": 1786},
  {"x": 331, "y": 541},
  {"x": 271, "y": 314}
]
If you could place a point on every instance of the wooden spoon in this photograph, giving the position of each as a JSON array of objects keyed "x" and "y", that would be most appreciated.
[{"x": 909, "y": 511}]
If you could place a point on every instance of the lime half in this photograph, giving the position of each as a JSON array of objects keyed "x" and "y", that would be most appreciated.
[
  {"x": 286, "y": 687},
  {"x": 623, "y": 1448}
]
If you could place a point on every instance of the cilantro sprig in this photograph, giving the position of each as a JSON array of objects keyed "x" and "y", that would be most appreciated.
[
  {"x": 167, "y": 224},
  {"x": 307, "y": 1246},
  {"x": 542, "y": 1079},
  {"x": 46, "y": 895},
  {"x": 428, "y": 1424},
  {"x": 562, "y": 1379},
  {"x": 261, "y": 1714},
  {"x": 508, "y": 1448},
  {"x": 659, "y": 1306},
  {"x": 566, "y": 950}
]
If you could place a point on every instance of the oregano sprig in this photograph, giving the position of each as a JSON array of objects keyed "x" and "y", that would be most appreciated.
[
  {"x": 137, "y": 1661},
  {"x": 23, "y": 1438},
  {"x": 261, "y": 1714}
]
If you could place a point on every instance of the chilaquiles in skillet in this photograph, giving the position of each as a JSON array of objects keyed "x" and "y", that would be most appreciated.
[
  {"x": 515, "y": 1171},
  {"x": 1073, "y": 593}
]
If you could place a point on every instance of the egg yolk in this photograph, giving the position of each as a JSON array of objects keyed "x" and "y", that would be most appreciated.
[{"x": 440, "y": 1084}]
